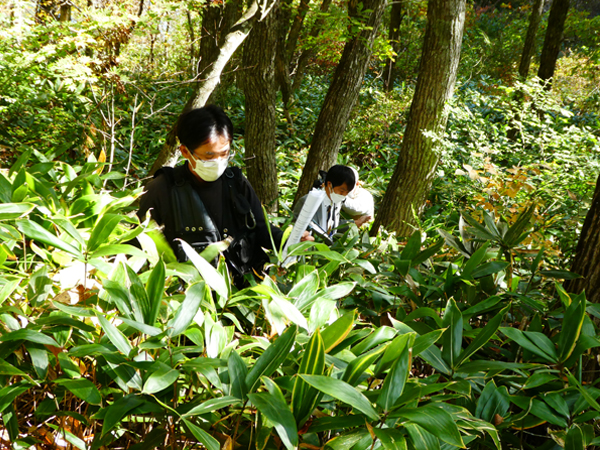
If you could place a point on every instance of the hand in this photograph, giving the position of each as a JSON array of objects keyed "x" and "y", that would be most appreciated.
[
  {"x": 306, "y": 237},
  {"x": 362, "y": 220}
]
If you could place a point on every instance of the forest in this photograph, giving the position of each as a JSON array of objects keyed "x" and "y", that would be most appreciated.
[{"x": 465, "y": 315}]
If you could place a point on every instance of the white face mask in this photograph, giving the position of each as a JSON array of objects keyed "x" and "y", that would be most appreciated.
[
  {"x": 336, "y": 199},
  {"x": 210, "y": 170}
]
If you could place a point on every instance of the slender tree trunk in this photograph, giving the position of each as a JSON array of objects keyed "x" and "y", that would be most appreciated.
[
  {"x": 587, "y": 254},
  {"x": 389, "y": 71},
  {"x": 65, "y": 11},
  {"x": 529, "y": 47},
  {"x": 258, "y": 81},
  {"x": 299, "y": 70},
  {"x": 237, "y": 34},
  {"x": 282, "y": 69},
  {"x": 192, "y": 40},
  {"x": 410, "y": 184},
  {"x": 342, "y": 94},
  {"x": 553, "y": 40}
]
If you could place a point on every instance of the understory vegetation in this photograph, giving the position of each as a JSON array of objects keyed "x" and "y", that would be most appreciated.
[{"x": 460, "y": 336}]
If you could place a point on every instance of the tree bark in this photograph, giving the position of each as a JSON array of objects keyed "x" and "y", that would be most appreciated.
[
  {"x": 553, "y": 40},
  {"x": 587, "y": 254},
  {"x": 65, "y": 12},
  {"x": 529, "y": 47},
  {"x": 236, "y": 35},
  {"x": 342, "y": 94},
  {"x": 410, "y": 184},
  {"x": 258, "y": 83},
  {"x": 389, "y": 71}
]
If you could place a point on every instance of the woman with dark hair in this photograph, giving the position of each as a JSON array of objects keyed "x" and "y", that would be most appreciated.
[
  {"x": 205, "y": 201},
  {"x": 337, "y": 182}
]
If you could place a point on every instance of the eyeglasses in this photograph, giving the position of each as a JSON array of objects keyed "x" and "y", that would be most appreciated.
[{"x": 229, "y": 155}]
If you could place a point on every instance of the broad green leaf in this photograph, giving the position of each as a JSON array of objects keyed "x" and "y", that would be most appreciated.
[
  {"x": 146, "y": 329},
  {"x": 304, "y": 397},
  {"x": 83, "y": 389},
  {"x": 203, "y": 437},
  {"x": 29, "y": 335},
  {"x": 574, "y": 439},
  {"x": 275, "y": 409},
  {"x": 485, "y": 366},
  {"x": 425, "y": 341},
  {"x": 38, "y": 233},
  {"x": 435, "y": 420},
  {"x": 10, "y": 370},
  {"x": 520, "y": 338},
  {"x": 586, "y": 395},
  {"x": 11, "y": 211},
  {"x": 9, "y": 393},
  {"x": 539, "y": 379},
  {"x": 393, "y": 351},
  {"x": 338, "y": 330},
  {"x": 571, "y": 327},
  {"x": 489, "y": 268},
  {"x": 160, "y": 379},
  {"x": 187, "y": 310},
  {"x": 114, "y": 335},
  {"x": 413, "y": 246},
  {"x": 379, "y": 336},
  {"x": 155, "y": 288},
  {"x": 433, "y": 356},
  {"x": 493, "y": 400},
  {"x": 349, "y": 440},
  {"x": 482, "y": 338},
  {"x": 481, "y": 307},
  {"x": 421, "y": 438},
  {"x": 390, "y": 438},
  {"x": 336, "y": 423},
  {"x": 474, "y": 261},
  {"x": 272, "y": 358},
  {"x": 8, "y": 288},
  {"x": 210, "y": 275},
  {"x": 102, "y": 230},
  {"x": 237, "y": 375},
  {"x": 117, "y": 249},
  {"x": 393, "y": 384},
  {"x": 358, "y": 366},
  {"x": 118, "y": 410},
  {"x": 214, "y": 404},
  {"x": 342, "y": 391},
  {"x": 452, "y": 337}
]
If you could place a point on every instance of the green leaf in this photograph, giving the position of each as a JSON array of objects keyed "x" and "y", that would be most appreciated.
[
  {"x": 8, "y": 288},
  {"x": 237, "y": 375},
  {"x": 210, "y": 275},
  {"x": 102, "y": 230},
  {"x": 474, "y": 261},
  {"x": 433, "y": 356},
  {"x": 336, "y": 423},
  {"x": 29, "y": 335},
  {"x": 425, "y": 341},
  {"x": 338, "y": 330},
  {"x": 118, "y": 410},
  {"x": 359, "y": 366},
  {"x": 214, "y": 404},
  {"x": 10, "y": 370},
  {"x": 574, "y": 439},
  {"x": 421, "y": 438},
  {"x": 379, "y": 336},
  {"x": 11, "y": 211},
  {"x": 393, "y": 386},
  {"x": 275, "y": 409},
  {"x": 452, "y": 337},
  {"x": 203, "y": 437},
  {"x": 114, "y": 335},
  {"x": 117, "y": 249},
  {"x": 571, "y": 327},
  {"x": 390, "y": 439},
  {"x": 155, "y": 288},
  {"x": 160, "y": 379},
  {"x": 489, "y": 268},
  {"x": 9, "y": 393},
  {"x": 304, "y": 397},
  {"x": 272, "y": 358},
  {"x": 83, "y": 389},
  {"x": 36, "y": 232},
  {"x": 482, "y": 338},
  {"x": 486, "y": 366},
  {"x": 520, "y": 338},
  {"x": 493, "y": 400},
  {"x": 342, "y": 391},
  {"x": 413, "y": 246},
  {"x": 435, "y": 420},
  {"x": 187, "y": 310},
  {"x": 562, "y": 274}
]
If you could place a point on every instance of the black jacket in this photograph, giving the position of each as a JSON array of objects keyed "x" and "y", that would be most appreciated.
[{"x": 225, "y": 208}]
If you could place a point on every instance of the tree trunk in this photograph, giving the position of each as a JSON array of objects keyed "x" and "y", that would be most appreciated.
[
  {"x": 65, "y": 12},
  {"x": 587, "y": 254},
  {"x": 529, "y": 47},
  {"x": 342, "y": 94},
  {"x": 389, "y": 71},
  {"x": 258, "y": 82},
  {"x": 410, "y": 184},
  {"x": 236, "y": 35},
  {"x": 552, "y": 40}
]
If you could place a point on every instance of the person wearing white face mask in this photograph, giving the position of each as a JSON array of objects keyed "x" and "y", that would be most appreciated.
[
  {"x": 205, "y": 201},
  {"x": 339, "y": 181}
]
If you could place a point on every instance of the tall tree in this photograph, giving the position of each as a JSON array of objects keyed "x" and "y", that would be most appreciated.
[
  {"x": 258, "y": 83},
  {"x": 417, "y": 163},
  {"x": 587, "y": 254},
  {"x": 389, "y": 71},
  {"x": 553, "y": 39},
  {"x": 529, "y": 47},
  {"x": 343, "y": 91},
  {"x": 234, "y": 38}
]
